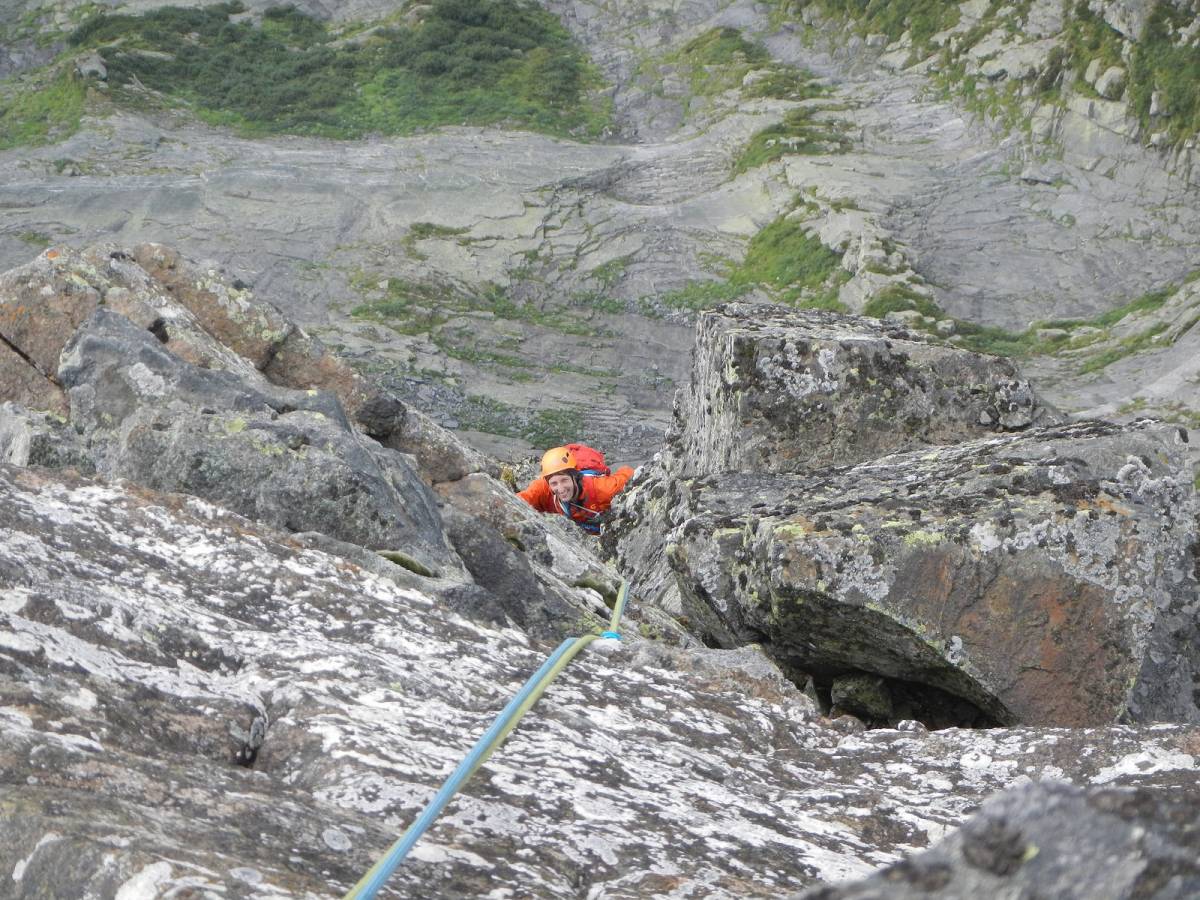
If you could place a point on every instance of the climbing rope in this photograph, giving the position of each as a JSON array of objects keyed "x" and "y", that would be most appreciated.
[{"x": 524, "y": 700}]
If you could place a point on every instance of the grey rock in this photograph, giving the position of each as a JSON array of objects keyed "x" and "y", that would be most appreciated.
[
  {"x": 288, "y": 458},
  {"x": 1111, "y": 84},
  {"x": 778, "y": 390},
  {"x": 138, "y": 630},
  {"x": 1043, "y": 578},
  {"x": 1052, "y": 840},
  {"x": 91, "y": 65},
  {"x": 30, "y": 438}
]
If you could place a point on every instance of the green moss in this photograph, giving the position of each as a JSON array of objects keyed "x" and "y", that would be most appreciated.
[
  {"x": 920, "y": 18},
  {"x": 477, "y": 61},
  {"x": 542, "y": 428},
  {"x": 899, "y": 297},
  {"x": 791, "y": 265},
  {"x": 785, "y": 83},
  {"x": 1161, "y": 63},
  {"x": 46, "y": 113},
  {"x": 718, "y": 60},
  {"x": 699, "y": 295},
  {"x": 1088, "y": 37}
]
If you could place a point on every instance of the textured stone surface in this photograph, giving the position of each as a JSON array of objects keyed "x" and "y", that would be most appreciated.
[
  {"x": 288, "y": 458},
  {"x": 22, "y": 383},
  {"x": 781, "y": 390},
  {"x": 142, "y": 634},
  {"x": 1047, "y": 578},
  {"x": 1053, "y": 840}
]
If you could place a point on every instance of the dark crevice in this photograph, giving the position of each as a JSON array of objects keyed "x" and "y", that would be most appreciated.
[
  {"x": 158, "y": 328},
  {"x": 25, "y": 356}
]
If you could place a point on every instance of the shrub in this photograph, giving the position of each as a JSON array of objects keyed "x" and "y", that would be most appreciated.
[{"x": 483, "y": 61}]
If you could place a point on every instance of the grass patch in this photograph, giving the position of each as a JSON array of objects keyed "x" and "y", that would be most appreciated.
[
  {"x": 1126, "y": 347},
  {"x": 466, "y": 61},
  {"x": 698, "y": 295},
  {"x": 792, "y": 266},
  {"x": 423, "y": 231},
  {"x": 900, "y": 297},
  {"x": 44, "y": 115},
  {"x": 798, "y": 133},
  {"x": 1088, "y": 38},
  {"x": 787, "y": 261},
  {"x": 1159, "y": 63},
  {"x": 542, "y": 428},
  {"x": 718, "y": 60},
  {"x": 415, "y": 307},
  {"x": 922, "y": 19},
  {"x": 785, "y": 84}
]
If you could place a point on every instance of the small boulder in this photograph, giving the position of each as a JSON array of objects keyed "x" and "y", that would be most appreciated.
[{"x": 1111, "y": 84}]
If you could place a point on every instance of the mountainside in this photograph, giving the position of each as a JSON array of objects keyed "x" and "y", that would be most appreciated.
[{"x": 521, "y": 288}]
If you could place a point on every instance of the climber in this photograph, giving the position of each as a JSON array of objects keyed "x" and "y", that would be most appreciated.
[{"x": 578, "y": 489}]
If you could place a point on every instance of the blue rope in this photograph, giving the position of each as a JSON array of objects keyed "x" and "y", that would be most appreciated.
[{"x": 369, "y": 886}]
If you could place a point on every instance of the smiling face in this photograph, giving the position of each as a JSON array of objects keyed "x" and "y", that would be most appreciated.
[{"x": 562, "y": 486}]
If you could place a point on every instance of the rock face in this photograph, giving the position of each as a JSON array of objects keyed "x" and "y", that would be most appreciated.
[
  {"x": 781, "y": 390},
  {"x": 143, "y": 635},
  {"x": 1042, "y": 840},
  {"x": 1045, "y": 576}
]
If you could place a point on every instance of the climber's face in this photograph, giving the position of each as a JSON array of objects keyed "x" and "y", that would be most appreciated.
[{"x": 562, "y": 486}]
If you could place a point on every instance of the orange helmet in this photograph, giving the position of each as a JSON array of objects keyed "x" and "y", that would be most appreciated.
[{"x": 557, "y": 459}]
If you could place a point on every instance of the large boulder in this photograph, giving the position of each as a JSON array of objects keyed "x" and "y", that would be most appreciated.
[
  {"x": 1046, "y": 578},
  {"x": 775, "y": 389},
  {"x": 204, "y": 317},
  {"x": 193, "y": 704},
  {"x": 287, "y": 458}
]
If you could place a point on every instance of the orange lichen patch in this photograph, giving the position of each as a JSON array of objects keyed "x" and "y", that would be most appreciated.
[
  {"x": 1104, "y": 504},
  {"x": 51, "y": 254}
]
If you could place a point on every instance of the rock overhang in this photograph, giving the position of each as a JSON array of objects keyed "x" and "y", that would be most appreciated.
[{"x": 1044, "y": 577}]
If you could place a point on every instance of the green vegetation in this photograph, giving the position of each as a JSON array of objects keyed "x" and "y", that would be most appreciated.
[
  {"x": 900, "y": 297},
  {"x": 477, "y": 61},
  {"x": 782, "y": 259},
  {"x": 718, "y": 60},
  {"x": 1088, "y": 38},
  {"x": 414, "y": 307},
  {"x": 49, "y": 112},
  {"x": 697, "y": 295},
  {"x": 35, "y": 239},
  {"x": 542, "y": 428},
  {"x": 798, "y": 133},
  {"x": 791, "y": 264},
  {"x": 422, "y": 231},
  {"x": 1128, "y": 346},
  {"x": 1173, "y": 70},
  {"x": 922, "y": 19}
]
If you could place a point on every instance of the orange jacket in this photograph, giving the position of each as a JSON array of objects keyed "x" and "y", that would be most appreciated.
[{"x": 596, "y": 496}]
